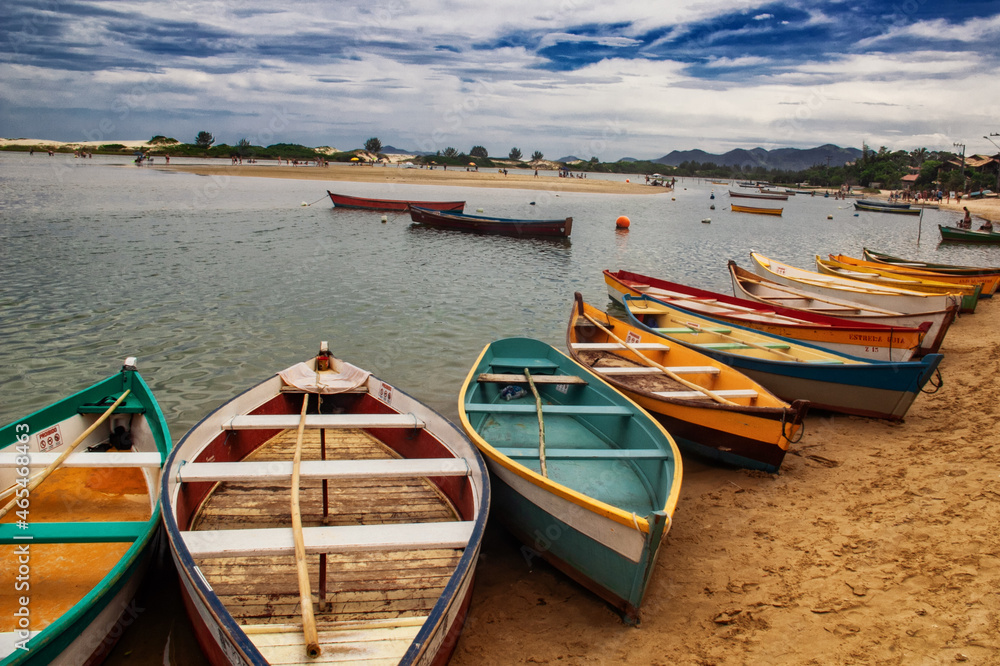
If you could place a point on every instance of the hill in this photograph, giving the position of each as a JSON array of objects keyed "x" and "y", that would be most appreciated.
[{"x": 792, "y": 159}]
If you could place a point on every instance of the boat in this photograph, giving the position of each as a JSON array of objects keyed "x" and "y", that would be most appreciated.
[
  {"x": 751, "y": 286},
  {"x": 80, "y": 487},
  {"x": 401, "y": 205},
  {"x": 712, "y": 410},
  {"x": 883, "y": 204},
  {"x": 883, "y": 258},
  {"x": 968, "y": 235},
  {"x": 483, "y": 224},
  {"x": 870, "y": 341},
  {"x": 987, "y": 283},
  {"x": 889, "y": 298},
  {"x": 758, "y": 195},
  {"x": 326, "y": 484},
  {"x": 752, "y": 209},
  {"x": 790, "y": 369},
  {"x": 584, "y": 477},
  {"x": 968, "y": 295},
  {"x": 885, "y": 209}
]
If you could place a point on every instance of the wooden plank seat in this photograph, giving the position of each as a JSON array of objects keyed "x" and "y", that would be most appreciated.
[
  {"x": 727, "y": 346},
  {"x": 84, "y": 459},
  {"x": 80, "y": 532},
  {"x": 584, "y": 454},
  {"x": 637, "y": 370},
  {"x": 339, "y": 539},
  {"x": 686, "y": 329},
  {"x": 538, "y": 379},
  {"x": 522, "y": 363},
  {"x": 321, "y": 421},
  {"x": 613, "y": 346},
  {"x": 295, "y": 389},
  {"x": 698, "y": 395},
  {"x": 548, "y": 410},
  {"x": 281, "y": 470}
]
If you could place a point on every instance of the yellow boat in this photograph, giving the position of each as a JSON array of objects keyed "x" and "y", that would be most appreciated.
[
  {"x": 753, "y": 209},
  {"x": 989, "y": 281}
]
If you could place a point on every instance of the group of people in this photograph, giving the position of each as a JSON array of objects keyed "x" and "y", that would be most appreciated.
[{"x": 966, "y": 222}]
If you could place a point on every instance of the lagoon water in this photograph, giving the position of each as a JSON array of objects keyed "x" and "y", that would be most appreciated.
[{"x": 215, "y": 283}]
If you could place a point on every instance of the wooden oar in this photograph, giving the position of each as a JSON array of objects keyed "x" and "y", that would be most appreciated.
[
  {"x": 69, "y": 449},
  {"x": 667, "y": 371},
  {"x": 541, "y": 424},
  {"x": 305, "y": 590},
  {"x": 789, "y": 290}
]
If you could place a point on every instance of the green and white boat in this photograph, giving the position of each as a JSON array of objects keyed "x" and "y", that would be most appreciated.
[{"x": 79, "y": 491}]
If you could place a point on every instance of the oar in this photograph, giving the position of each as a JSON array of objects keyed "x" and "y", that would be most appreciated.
[
  {"x": 305, "y": 590},
  {"x": 650, "y": 362},
  {"x": 789, "y": 290},
  {"x": 76, "y": 442},
  {"x": 541, "y": 424}
]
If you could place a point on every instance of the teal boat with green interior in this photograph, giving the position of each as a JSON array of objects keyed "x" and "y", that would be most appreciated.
[
  {"x": 79, "y": 491},
  {"x": 582, "y": 475}
]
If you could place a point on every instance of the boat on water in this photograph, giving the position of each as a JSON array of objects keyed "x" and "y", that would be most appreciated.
[
  {"x": 791, "y": 369},
  {"x": 401, "y": 205},
  {"x": 483, "y": 224},
  {"x": 968, "y": 235},
  {"x": 80, "y": 489},
  {"x": 751, "y": 286},
  {"x": 952, "y": 269},
  {"x": 582, "y": 475},
  {"x": 880, "y": 296},
  {"x": 712, "y": 410},
  {"x": 327, "y": 485},
  {"x": 968, "y": 295},
  {"x": 883, "y": 204},
  {"x": 987, "y": 283},
  {"x": 737, "y": 208},
  {"x": 907, "y": 210},
  {"x": 870, "y": 341},
  {"x": 758, "y": 195}
]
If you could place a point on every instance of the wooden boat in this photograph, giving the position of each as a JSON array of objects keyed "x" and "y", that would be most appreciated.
[
  {"x": 951, "y": 269},
  {"x": 756, "y": 288},
  {"x": 759, "y": 211},
  {"x": 987, "y": 283},
  {"x": 968, "y": 295},
  {"x": 80, "y": 483},
  {"x": 968, "y": 235},
  {"x": 858, "y": 205},
  {"x": 758, "y": 195},
  {"x": 883, "y": 204},
  {"x": 790, "y": 369},
  {"x": 401, "y": 205},
  {"x": 492, "y": 225},
  {"x": 710, "y": 409},
  {"x": 584, "y": 477},
  {"x": 889, "y": 298},
  {"x": 330, "y": 485},
  {"x": 865, "y": 340}
]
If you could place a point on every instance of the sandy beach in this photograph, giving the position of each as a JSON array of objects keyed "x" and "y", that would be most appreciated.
[{"x": 875, "y": 544}]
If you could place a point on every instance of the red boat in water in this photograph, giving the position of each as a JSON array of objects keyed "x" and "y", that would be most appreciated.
[
  {"x": 347, "y": 201},
  {"x": 492, "y": 225}
]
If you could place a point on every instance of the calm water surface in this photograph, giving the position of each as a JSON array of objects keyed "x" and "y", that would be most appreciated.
[{"x": 215, "y": 283}]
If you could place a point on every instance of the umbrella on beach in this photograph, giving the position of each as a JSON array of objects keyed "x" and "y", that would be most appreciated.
[{"x": 355, "y": 159}]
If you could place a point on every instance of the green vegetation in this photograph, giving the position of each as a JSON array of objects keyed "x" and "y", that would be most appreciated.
[
  {"x": 478, "y": 151},
  {"x": 515, "y": 154},
  {"x": 373, "y": 145},
  {"x": 204, "y": 139}
]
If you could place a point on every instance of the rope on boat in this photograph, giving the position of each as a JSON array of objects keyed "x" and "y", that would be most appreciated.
[
  {"x": 541, "y": 424},
  {"x": 317, "y": 201},
  {"x": 937, "y": 385},
  {"x": 802, "y": 430}
]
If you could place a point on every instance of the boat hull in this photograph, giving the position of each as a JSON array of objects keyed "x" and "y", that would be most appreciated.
[
  {"x": 968, "y": 235},
  {"x": 886, "y": 209},
  {"x": 758, "y": 211},
  {"x": 399, "y": 205},
  {"x": 754, "y": 195},
  {"x": 522, "y": 228},
  {"x": 987, "y": 283}
]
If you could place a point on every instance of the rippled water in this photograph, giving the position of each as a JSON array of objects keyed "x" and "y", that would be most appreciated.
[{"x": 216, "y": 283}]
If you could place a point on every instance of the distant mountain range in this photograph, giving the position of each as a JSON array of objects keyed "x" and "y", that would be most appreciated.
[{"x": 792, "y": 159}]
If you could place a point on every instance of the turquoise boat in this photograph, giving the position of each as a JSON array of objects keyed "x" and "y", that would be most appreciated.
[
  {"x": 79, "y": 487},
  {"x": 583, "y": 476}
]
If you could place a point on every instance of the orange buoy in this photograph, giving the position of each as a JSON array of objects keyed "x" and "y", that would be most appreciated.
[
  {"x": 627, "y": 180},
  {"x": 622, "y": 222}
]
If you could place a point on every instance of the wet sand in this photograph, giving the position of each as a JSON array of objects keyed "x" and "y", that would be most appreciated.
[{"x": 875, "y": 544}]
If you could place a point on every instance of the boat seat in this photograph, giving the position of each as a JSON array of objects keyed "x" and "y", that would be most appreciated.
[
  {"x": 727, "y": 346},
  {"x": 279, "y": 541},
  {"x": 285, "y": 388},
  {"x": 612, "y": 346},
  {"x": 585, "y": 454},
  {"x": 677, "y": 370},
  {"x": 316, "y": 421},
  {"x": 697, "y": 395},
  {"x": 548, "y": 410},
  {"x": 530, "y": 363},
  {"x": 538, "y": 379},
  {"x": 687, "y": 329},
  {"x": 82, "y": 532},
  {"x": 86, "y": 459},
  {"x": 281, "y": 470},
  {"x": 130, "y": 405}
]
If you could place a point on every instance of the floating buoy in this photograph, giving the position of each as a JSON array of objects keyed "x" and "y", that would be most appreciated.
[
  {"x": 622, "y": 222},
  {"x": 713, "y": 196},
  {"x": 480, "y": 210},
  {"x": 304, "y": 203},
  {"x": 385, "y": 218},
  {"x": 855, "y": 215},
  {"x": 712, "y": 207},
  {"x": 673, "y": 198},
  {"x": 829, "y": 217},
  {"x": 707, "y": 220}
]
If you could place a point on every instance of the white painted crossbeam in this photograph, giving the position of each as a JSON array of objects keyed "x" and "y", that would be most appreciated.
[
  {"x": 339, "y": 539},
  {"x": 279, "y": 470},
  {"x": 637, "y": 370},
  {"x": 316, "y": 421},
  {"x": 84, "y": 459},
  {"x": 612, "y": 346},
  {"x": 698, "y": 395}
]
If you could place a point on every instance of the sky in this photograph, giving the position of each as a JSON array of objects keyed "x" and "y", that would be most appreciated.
[{"x": 561, "y": 77}]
